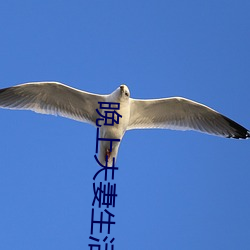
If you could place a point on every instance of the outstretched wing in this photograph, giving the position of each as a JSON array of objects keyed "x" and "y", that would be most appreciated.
[
  {"x": 182, "y": 114},
  {"x": 52, "y": 98}
]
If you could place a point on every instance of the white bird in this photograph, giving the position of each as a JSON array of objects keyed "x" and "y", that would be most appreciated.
[{"x": 167, "y": 113}]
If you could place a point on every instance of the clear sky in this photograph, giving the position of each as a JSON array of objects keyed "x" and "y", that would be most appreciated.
[{"x": 176, "y": 190}]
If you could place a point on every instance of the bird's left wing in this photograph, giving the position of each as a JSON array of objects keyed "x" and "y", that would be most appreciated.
[
  {"x": 182, "y": 114},
  {"x": 52, "y": 98}
]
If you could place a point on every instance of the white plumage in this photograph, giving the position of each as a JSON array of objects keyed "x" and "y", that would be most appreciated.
[{"x": 167, "y": 113}]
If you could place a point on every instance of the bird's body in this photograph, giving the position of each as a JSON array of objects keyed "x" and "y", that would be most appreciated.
[
  {"x": 116, "y": 131},
  {"x": 167, "y": 113}
]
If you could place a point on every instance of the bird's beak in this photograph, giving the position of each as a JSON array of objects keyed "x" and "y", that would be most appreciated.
[{"x": 122, "y": 88}]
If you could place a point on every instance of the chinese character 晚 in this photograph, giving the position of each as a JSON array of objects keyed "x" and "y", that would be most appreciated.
[{"x": 166, "y": 113}]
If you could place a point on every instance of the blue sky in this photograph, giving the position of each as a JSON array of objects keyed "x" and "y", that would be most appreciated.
[{"x": 176, "y": 190}]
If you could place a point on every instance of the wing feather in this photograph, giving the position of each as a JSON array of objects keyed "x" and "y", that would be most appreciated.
[
  {"x": 52, "y": 98},
  {"x": 182, "y": 114}
]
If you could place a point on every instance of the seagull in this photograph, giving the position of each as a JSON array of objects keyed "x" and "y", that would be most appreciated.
[{"x": 176, "y": 113}]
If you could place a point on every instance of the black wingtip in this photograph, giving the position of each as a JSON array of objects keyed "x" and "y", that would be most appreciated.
[
  {"x": 3, "y": 90},
  {"x": 239, "y": 131}
]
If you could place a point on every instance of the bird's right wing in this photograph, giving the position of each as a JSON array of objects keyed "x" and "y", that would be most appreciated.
[
  {"x": 52, "y": 98},
  {"x": 182, "y": 114}
]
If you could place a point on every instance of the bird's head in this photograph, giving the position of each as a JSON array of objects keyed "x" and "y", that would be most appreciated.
[
  {"x": 124, "y": 91},
  {"x": 121, "y": 94}
]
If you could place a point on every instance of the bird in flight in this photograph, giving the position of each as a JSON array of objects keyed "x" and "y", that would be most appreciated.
[{"x": 175, "y": 113}]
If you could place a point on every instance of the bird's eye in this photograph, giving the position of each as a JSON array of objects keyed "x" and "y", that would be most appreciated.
[{"x": 126, "y": 93}]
